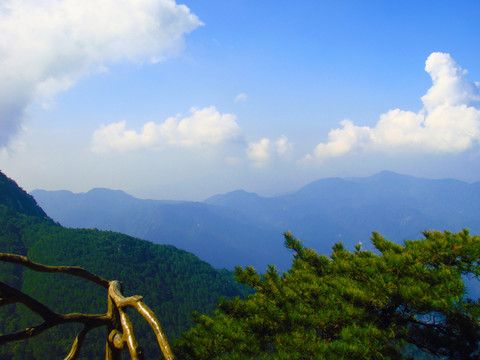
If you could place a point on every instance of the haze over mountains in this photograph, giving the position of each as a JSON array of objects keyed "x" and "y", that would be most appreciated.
[{"x": 240, "y": 228}]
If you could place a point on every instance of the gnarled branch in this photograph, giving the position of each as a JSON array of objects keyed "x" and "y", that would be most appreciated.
[
  {"x": 71, "y": 270},
  {"x": 137, "y": 303},
  {"x": 121, "y": 333}
]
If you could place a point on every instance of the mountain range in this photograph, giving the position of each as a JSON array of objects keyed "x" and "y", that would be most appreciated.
[
  {"x": 237, "y": 228},
  {"x": 241, "y": 228}
]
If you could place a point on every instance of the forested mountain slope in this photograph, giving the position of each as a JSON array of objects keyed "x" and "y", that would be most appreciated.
[
  {"x": 13, "y": 196},
  {"x": 173, "y": 282},
  {"x": 220, "y": 236}
]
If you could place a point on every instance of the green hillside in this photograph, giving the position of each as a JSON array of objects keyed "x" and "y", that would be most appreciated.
[
  {"x": 16, "y": 198},
  {"x": 173, "y": 282}
]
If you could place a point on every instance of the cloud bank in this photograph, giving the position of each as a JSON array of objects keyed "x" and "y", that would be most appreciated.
[
  {"x": 204, "y": 127},
  {"x": 47, "y": 46},
  {"x": 449, "y": 121}
]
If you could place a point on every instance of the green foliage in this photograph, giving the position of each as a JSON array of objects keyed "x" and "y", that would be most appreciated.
[
  {"x": 404, "y": 300},
  {"x": 13, "y": 226},
  {"x": 173, "y": 283}
]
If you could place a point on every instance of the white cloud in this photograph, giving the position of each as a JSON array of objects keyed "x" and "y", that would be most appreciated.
[
  {"x": 47, "y": 46},
  {"x": 260, "y": 153},
  {"x": 241, "y": 97},
  {"x": 342, "y": 140},
  {"x": 449, "y": 121},
  {"x": 283, "y": 147},
  {"x": 204, "y": 127}
]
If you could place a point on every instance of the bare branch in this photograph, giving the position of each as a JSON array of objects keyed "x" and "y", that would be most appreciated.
[
  {"x": 51, "y": 318},
  {"x": 71, "y": 270},
  {"x": 116, "y": 318},
  {"x": 7, "y": 301},
  {"x": 148, "y": 314},
  {"x": 77, "y": 344},
  {"x": 144, "y": 310},
  {"x": 15, "y": 296},
  {"x": 91, "y": 321},
  {"x": 136, "y": 352}
]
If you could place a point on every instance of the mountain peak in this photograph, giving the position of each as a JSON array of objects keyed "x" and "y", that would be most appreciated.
[
  {"x": 236, "y": 195},
  {"x": 384, "y": 176},
  {"x": 107, "y": 192}
]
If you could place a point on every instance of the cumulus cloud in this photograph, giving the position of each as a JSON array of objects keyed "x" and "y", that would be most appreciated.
[
  {"x": 449, "y": 121},
  {"x": 47, "y": 46},
  {"x": 261, "y": 152},
  {"x": 204, "y": 127}
]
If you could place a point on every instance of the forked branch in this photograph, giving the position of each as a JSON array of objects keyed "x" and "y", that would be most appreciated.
[{"x": 121, "y": 334}]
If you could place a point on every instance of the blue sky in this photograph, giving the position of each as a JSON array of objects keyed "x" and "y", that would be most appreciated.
[{"x": 185, "y": 100}]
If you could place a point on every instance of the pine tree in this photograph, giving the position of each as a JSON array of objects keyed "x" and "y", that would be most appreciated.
[{"x": 351, "y": 305}]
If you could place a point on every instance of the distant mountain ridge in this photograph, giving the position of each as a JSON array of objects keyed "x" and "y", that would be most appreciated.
[
  {"x": 219, "y": 236},
  {"x": 397, "y": 206},
  {"x": 241, "y": 228}
]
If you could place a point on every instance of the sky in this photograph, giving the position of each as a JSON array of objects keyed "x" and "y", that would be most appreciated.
[{"x": 184, "y": 100}]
